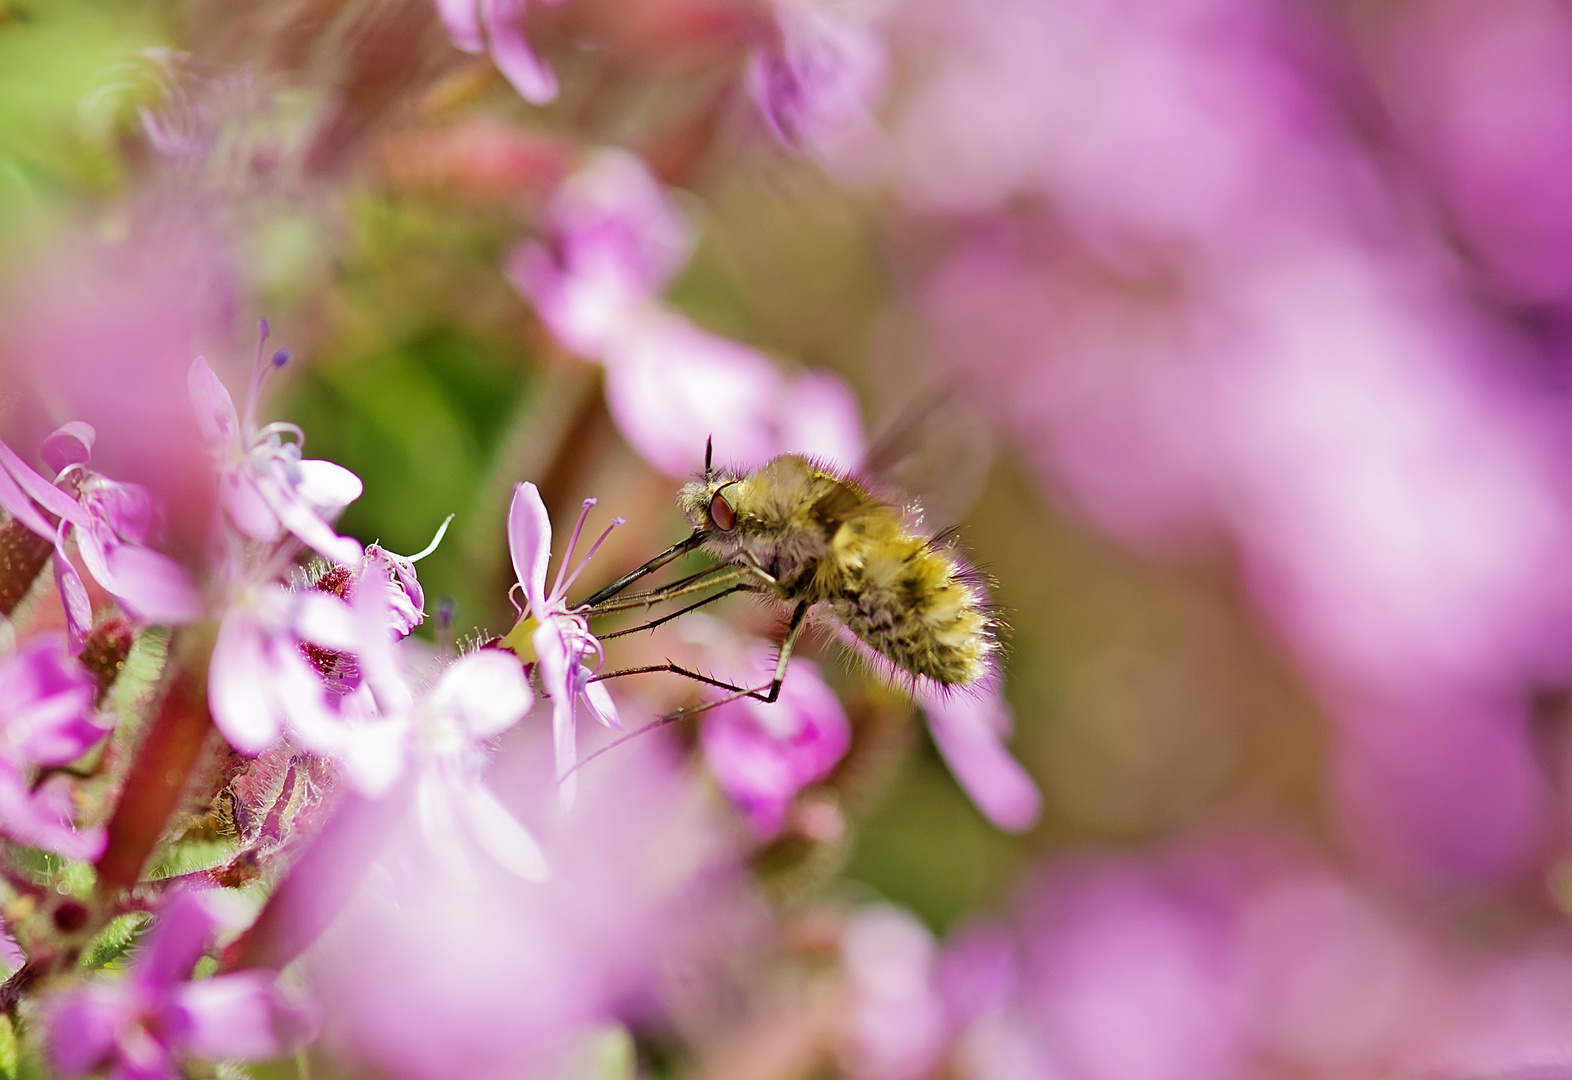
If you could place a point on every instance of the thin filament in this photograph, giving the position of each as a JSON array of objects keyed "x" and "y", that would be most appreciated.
[
  {"x": 283, "y": 427},
  {"x": 556, "y": 586},
  {"x": 442, "y": 531},
  {"x": 258, "y": 370},
  {"x": 593, "y": 549}
]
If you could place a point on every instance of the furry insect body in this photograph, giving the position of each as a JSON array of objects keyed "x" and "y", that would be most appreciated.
[{"x": 811, "y": 536}]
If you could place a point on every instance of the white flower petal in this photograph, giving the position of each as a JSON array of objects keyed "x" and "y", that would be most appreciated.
[
  {"x": 237, "y": 685},
  {"x": 323, "y": 619},
  {"x": 327, "y": 486},
  {"x": 486, "y": 689}
]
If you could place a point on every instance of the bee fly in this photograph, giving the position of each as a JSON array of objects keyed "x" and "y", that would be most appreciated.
[{"x": 808, "y": 536}]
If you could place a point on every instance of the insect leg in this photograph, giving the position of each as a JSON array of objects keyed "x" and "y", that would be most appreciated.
[
  {"x": 721, "y": 575},
  {"x": 793, "y": 631},
  {"x": 677, "y": 669},
  {"x": 682, "y": 547},
  {"x": 799, "y": 619},
  {"x": 653, "y": 623}
]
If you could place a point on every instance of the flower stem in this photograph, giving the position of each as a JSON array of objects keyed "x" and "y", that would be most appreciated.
[
  {"x": 23, "y": 554},
  {"x": 153, "y": 786}
]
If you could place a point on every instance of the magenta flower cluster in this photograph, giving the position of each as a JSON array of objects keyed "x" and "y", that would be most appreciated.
[{"x": 1263, "y": 306}]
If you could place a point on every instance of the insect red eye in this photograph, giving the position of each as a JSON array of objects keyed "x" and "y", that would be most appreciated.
[{"x": 721, "y": 513}]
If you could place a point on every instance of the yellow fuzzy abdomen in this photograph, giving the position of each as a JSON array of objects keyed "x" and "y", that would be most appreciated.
[{"x": 911, "y": 602}]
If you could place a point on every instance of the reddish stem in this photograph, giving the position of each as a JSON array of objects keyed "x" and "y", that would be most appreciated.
[
  {"x": 154, "y": 784},
  {"x": 23, "y": 554}
]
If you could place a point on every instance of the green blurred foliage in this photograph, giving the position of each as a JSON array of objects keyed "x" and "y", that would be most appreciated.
[
  {"x": 420, "y": 423},
  {"x": 71, "y": 75}
]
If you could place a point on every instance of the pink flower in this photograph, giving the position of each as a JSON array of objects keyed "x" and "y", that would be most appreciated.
[
  {"x": 264, "y": 484},
  {"x": 111, "y": 523},
  {"x": 672, "y": 385},
  {"x": 406, "y": 598},
  {"x": 1129, "y": 979},
  {"x": 426, "y": 977},
  {"x": 969, "y": 730},
  {"x": 427, "y": 737},
  {"x": 46, "y": 718},
  {"x": 817, "y": 83},
  {"x": 896, "y": 1024},
  {"x": 283, "y": 660},
  {"x": 1482, "y": 95},
  {"x": 475, "y": 25},
  {"x": 96, "y": 332},
  {"x": 140, "y": 1026},
  {"x": 260, "y": 682},
  {"x": 763, "y": 754},
  {"x": 561, "y": 638},
  {"x": 614, "y": 241}
]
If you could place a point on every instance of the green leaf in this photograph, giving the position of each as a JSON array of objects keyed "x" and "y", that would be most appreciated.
[{"x": 114, "y": 941}]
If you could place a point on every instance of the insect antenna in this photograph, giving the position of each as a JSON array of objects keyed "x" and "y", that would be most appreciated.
[
  {"x": 722, "y": 574},
  {"x": 653, "y": 623},
  {"x": 677, "y": 550}
]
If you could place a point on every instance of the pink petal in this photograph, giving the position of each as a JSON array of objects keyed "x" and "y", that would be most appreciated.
[
  {"x": 486, "y": 689},
  {"x": 375, "y": 648},
  {"x": 58, "y": 728},
  {"x": 613, "y": 212},
  {"x": 69, "y": 444},
  {"x": 247, "y": 508},
  {"x": 91, "y": 547},
  {"x": 129, "y": 511},
  {"x": 499, "y": 834},
  {"x": 237, "y": 685},
  {"x": 583, "y": 308},
  {"x": 512, "y": 54},
  {"x": 819, "y": 417},
  {"x": 600, "y": 703},
  {"x": 152, "y": 587},
  {"x": 670, "y": 385},
  {"x": 40, "y": 490},
  {"x": 181, "y": 930},
  {"x": 967, "y": 730},
  {"x": 462, "y": 19},
  {"x": 443, "y": 830},
  {"x": 42, "y": 819},
  {"x": 73, "y": 597},
  {"x": 240, "y": 1016},
  {"x": 529, "y": 543},
  {"x": 214, "y": 408},
  {"x": 374, "y": 754},
  {"x": 81, "y": 1029},
  {"x": 40, "y": 667},
  {"x": 16, "y": 502},
  {"x": 556, "y": 665},
  {"x": 297, "y": 694},
  {"x": 302, "y": 519},
  {"x": 763, "y": 754}
]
